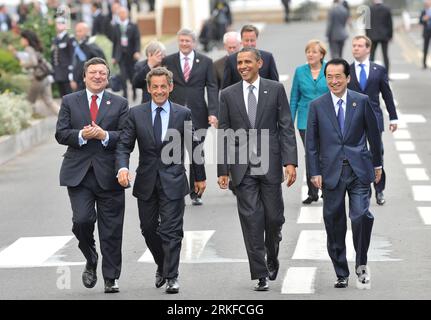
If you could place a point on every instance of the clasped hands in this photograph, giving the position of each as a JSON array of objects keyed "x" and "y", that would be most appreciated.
[{"x": 93, "y": 131}]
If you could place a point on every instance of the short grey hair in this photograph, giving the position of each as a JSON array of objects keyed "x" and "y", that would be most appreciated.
[
  {"x": 154, "y": 46},
  {"x": 232, "y": 34},
  {"x": 187, "y": 32},
  {"x": 160, "y": 71}
]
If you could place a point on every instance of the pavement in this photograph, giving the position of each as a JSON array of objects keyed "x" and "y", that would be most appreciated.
[{"x": 39, "y": 258}]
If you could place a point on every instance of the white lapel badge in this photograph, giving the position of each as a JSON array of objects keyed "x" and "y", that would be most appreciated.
[
  {"x": 265, "y": 91},
  {"x": 197, "y": 60},
  {"x": 354, "y": 104},
  {"x": 374, "y": 68},
  {"x": 108, "y": 102}
]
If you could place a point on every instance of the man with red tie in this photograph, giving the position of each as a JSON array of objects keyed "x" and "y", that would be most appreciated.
[{"x": 89, "y": 123}]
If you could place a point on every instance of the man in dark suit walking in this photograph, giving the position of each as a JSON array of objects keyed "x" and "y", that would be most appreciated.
[
  {"x": 249, "y": 35},
  {"x": 232, "y": 44},
  {"x": 257, "y": 107},
  {"x": 126, "y": 48},
  {"x": 162, "y": 129},
  {"x": 371, "y": 79},
  {"x": 339, "y": 125},
  {"x": 62, "y": 51},
  {"x": 193, "y": 73},
  {"x": 89, "y": 123},
  {"x": 381, "y": 29},
  {"x": 336, "y": 31},
  {"x": 425, "y": 20}
]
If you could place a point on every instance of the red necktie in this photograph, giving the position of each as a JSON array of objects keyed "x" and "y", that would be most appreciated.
[{"x": 93, "y": 108}]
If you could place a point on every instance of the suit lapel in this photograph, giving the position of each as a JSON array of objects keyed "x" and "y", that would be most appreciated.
[
  {"x": 179, "y": 69},
  {"x": 354, "y": 78},
  {"x": 84, "y": 106},
  {"x": 148, "y": 122},
  {"x": 371, "y": 75},
  {"x": 239, "y": 97},
  {"x": 171, "y": 122},
  {"x": 263, "y": 92},
  {"x": 351, "y": 106},
  {"x": 195, "y": 66},
  {"x": 104, "y": 107},
  {"x": 330, "y": 112}
]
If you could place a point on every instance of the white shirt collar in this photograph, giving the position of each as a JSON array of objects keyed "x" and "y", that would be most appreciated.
[
  {"x": 256, "y": 84},
  {"x": 62, "y": 34},
  {"x": 335, "y": 100},
  {"x": 366, "y": 62},
  {"x": 90, "y": 94},
  {"x": 191, "y": 56}
]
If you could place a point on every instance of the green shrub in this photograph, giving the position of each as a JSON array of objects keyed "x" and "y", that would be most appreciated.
[
  {"x": 8, "y": 62},
  {"x": 6, "y": 84},
  {"x": 15, "y": 113}
]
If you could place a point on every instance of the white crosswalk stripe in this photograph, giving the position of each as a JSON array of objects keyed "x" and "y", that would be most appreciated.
[{"x": 299, "y": 280}]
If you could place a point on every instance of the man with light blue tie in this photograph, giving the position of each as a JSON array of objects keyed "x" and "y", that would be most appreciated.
[
  {"x": 372, "y": 79},
  {"x": 339, "y": 125},
  {"x": 162, "y": 128}
]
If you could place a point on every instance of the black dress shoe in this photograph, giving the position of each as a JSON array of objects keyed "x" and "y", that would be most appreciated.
[
  {"x": 89, "y": 276},
  {"x": 172, "y": 286},
  {"x": 111, "y": 286},
  {"x": 273, "y": 270},
  {"x": 341, "y": 282},
  {"x": 197, "y": 201},
  {"x": 309, "y": 200},
  {"x": 160, "y": 281},
  {"x": 262, "y": 285},
  {"x": 380, "y": 199}
]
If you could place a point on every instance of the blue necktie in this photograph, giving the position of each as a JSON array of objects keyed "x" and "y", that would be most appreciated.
[
  {"x": 340, "y": 115},
  {"x": 362, "y": 77},
  {"x": 157, "y": 127},
  {"x": 80, "y": 54}
]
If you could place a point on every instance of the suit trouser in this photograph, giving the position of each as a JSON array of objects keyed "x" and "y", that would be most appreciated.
[
  {"x": 261, "y": 214},
  {"x": 334, "y": 216},
  {"x": 162, "y": 227},
  {"x": 384, "y": 51},
  {"x": 193, "y": 194},
  {"x": 109, "y": 213},
  {"x": 427, "y": 37},
  {"x": 379, "y": 187},
  {"x": 336, "y": 48},
  {"x": 313, "y": 192}
]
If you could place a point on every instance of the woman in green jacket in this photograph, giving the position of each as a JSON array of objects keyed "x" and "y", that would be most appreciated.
[{"x": 308, "y": 83}]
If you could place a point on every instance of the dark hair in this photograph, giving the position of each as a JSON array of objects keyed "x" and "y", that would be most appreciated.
[
  {"x": 32, "y": 39},
  {"x": 160, "y": 71},
  {"x": 256, "y": 52},
  {"x": 93, "y": 61},
  {"x": 339, "y": 61},
  {"x": 250, "y": 28}
]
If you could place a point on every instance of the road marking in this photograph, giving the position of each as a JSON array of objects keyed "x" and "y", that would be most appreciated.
[
  {"x": 416, "y": 174},
  {"x": 312, "y": 246},
  {"x": 402, "y": 134},
  {"x": 310, "y": 215},
  {"x": 284, "y": 77},
  {"x": 304, "y": 192},
  {"x": 409, "y": 158},
  {"x": 195, "y": 249},
  {"x": 412, "y": 118},
  {"x": 425, "y": 213},
  {"x": 30, "y": 252},
  {"x": 404, "y": 146},
  {"x": 399, "y": 76},
  {"x": 299, "y": 281},
  {"x": 421, "y": 193}
]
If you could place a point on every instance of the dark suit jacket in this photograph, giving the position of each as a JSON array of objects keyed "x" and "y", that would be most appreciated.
[
  {"x": 268, "y": 70},
  {"x": 172, "y": 176},
  {"x": 134, "y": 42},
  {"x": 381, "y": 23},
  {"x": 219, "y": 71},
  {"x": 99, "y": 24},
  {"x": 62, "y": 57},
  {"x": 139, "y": 79},
  {"x": 273, "y": 113},
  {"x": 192, "y": 93},
  {"x": 427, "y": 28},
  {"x": 326, "y": 147},
  {"x": 73, "y": 116},
  {"x": 377, "y": 83}
]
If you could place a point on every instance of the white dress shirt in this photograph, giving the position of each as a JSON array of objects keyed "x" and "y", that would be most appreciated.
[
  {"x": 246, "y": 90},
  {"x": 191, "y": 57}
]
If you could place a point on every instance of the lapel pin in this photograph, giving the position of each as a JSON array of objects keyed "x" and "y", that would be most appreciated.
[
  {"x": 265, "y": 91},
  {"x": 108, "y": 102},
  {"x": 354, "y": 104},
  {"x": 374, "y": 68},
  {"x": 197, "y": 60}
]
